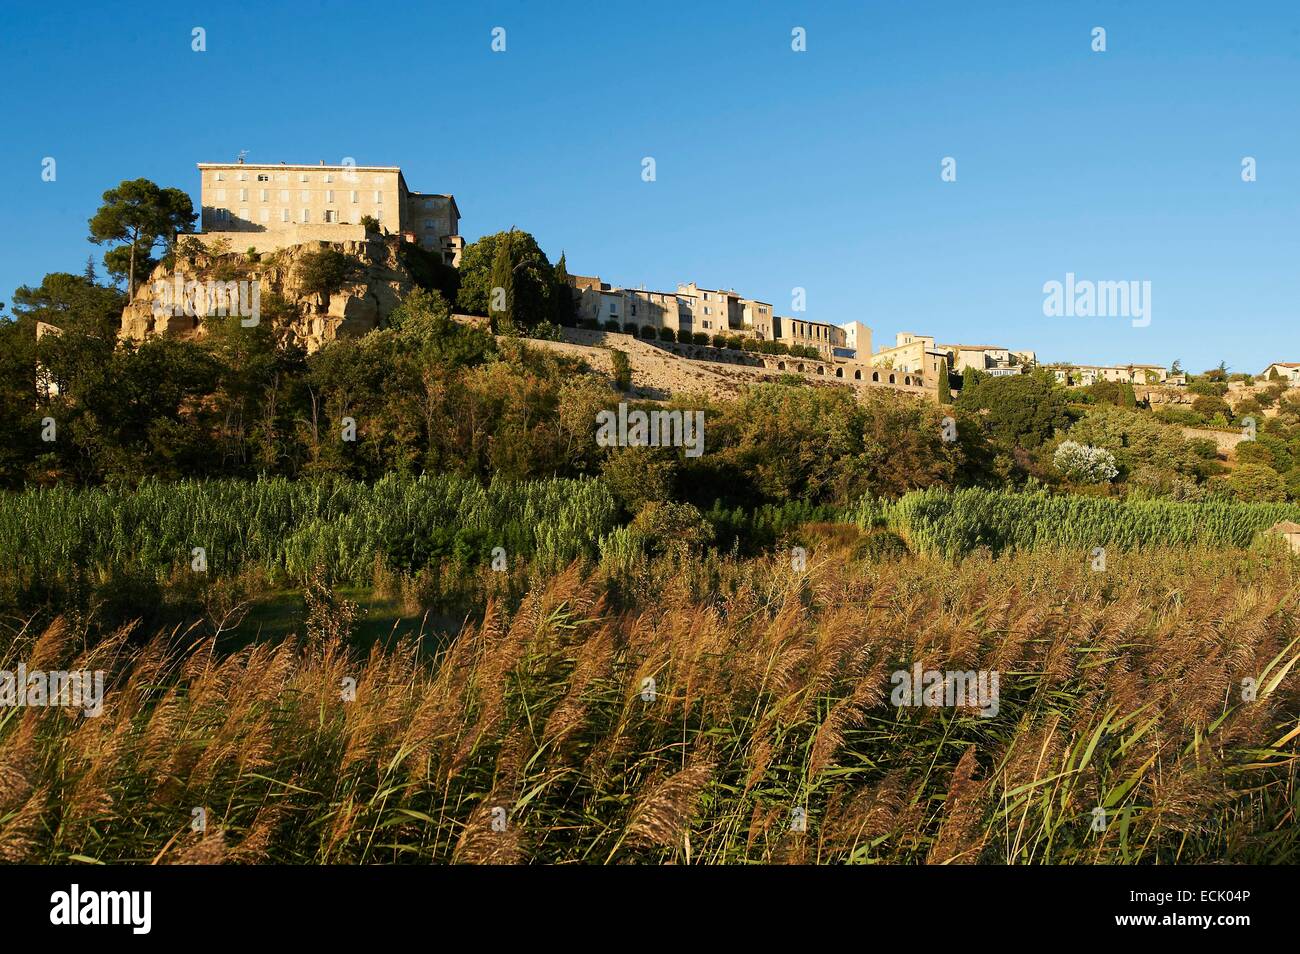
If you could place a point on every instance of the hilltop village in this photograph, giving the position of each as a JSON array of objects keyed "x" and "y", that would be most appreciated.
[{"x": 283, "y": 209}]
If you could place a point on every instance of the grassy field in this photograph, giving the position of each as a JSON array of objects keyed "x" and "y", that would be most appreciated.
[
  {"x": 768, "y": 733},
  {"x": 954, "y": 523}
]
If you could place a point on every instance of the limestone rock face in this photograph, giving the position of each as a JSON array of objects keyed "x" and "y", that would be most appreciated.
[{"x": 207, "y": 282}]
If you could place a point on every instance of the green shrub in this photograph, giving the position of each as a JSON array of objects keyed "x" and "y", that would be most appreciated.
[
  {"x": 325, "y": 271},
  {"x": 622, "y": 370}
]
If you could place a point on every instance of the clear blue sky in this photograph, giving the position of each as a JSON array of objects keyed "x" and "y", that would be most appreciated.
[{"x": 775, "y": 169}]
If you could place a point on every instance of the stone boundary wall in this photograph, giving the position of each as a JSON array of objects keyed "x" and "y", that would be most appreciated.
[
  {"x": 273, "y": 239},
  {"x": 724, "y": 370},
  {"x": 1225, "y": 441}
]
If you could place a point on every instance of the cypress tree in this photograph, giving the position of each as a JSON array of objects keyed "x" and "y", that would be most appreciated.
[
  {"x": 501, "y": 294},
  {"x": 562, "y": 297}
]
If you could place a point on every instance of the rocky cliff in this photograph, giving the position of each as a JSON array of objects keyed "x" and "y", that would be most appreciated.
[{"x": 363, "y": 282}]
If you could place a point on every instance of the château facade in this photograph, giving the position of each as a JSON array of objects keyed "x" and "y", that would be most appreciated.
[{"x": 271, "y": 206}]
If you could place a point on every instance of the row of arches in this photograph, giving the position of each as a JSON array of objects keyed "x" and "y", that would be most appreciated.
[{"x": 892, "y": 377}]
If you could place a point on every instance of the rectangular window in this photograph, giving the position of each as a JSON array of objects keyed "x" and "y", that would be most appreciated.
[
  {"x": 329, "y": 215},
  {"x": 379, "y": 197},
  {"x": 263, "y": 178},
  {"x": 282, "y": 177},
  {"x": 266, "y": 195},
  {"x": 264, "y": 215},
  {"x": 243, "y": 195},
  {"x": 304, "y": 195},
  {"x": 302, "y": 177},
  {"x": 243, "y": 177},
  {"x": 221, "y": 195},
  {"x": 306, "y": 216},
  {"x": 221, "y": 177},
  {"x": 354, "y": 195},
  {"x": 284, "y": 215},
  {"x": 329, "y": 177},
  {"x": 329, "y": 196},
  {"x": 243, "y": 214},
  {"x": 284, "y": 195}
]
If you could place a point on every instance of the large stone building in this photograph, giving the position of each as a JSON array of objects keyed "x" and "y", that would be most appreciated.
[
  {"x": 915, "y": 354},
  {"x": 991, "y": 359},
  {"x": 266, "y": 207},
  {"x": 857, "y": 341},
  {"x": 704, "y": 310},
  {"x": 1082, "y": 375}
]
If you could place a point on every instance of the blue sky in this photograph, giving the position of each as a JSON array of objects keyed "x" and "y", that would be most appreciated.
[{"x": 775, "y": 169}]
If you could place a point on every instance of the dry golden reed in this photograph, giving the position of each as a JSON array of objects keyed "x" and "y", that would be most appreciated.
[{"x": 701, "y": 712}]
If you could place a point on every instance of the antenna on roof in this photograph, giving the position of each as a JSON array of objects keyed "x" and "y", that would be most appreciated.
[{"x": 242, "y": 154}]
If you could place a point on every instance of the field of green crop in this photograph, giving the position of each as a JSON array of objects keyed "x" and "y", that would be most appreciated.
[
  {"x": 290, "y": 527},
  {"x": 953, "y": 523}
]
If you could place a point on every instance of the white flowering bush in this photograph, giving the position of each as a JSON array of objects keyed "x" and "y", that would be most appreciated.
[{"x": 1085, "y": 464}]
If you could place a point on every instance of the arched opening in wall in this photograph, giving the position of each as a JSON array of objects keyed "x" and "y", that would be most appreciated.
[
  {"x": 907, "y": 380},
  {"x": 821, "y": 369},
  {"x": 875, "y": 376},
  {"x": 839, "y": 372},
  {"x": 799, "y": 367},
  {"x": 857, "y": 375},
  {"x": 891, "y": 379},
  {"x": 780, "y": 365}
]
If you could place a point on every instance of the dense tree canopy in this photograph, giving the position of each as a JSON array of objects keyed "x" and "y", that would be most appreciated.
[
  {"x": 513, "y": 261},
  {"x": 1020, "y": 410},
  {"x": 139, "y": 214}
]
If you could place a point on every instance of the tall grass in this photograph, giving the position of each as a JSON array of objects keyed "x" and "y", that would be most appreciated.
[
  {"x": 953, "y": 523},
  {"x": 1119, "y": 691},
  {"x": 290, "y": 527}
]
